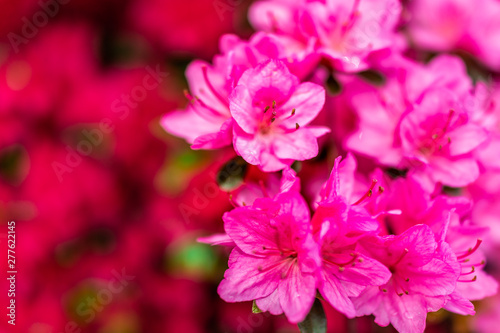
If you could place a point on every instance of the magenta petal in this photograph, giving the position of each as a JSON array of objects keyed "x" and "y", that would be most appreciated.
[
  {"x": 484, "y": 286},
  {"x": 319, "y": 131},
  {"x": 456, "y": 173},
  {"x": 368, "y": 302},
  {"x": 407, "y": 313},
  {"x": 217, "y": 239},
  {"x": 460, "y": 305},
  {"x": 250, "y": 229},
  {"x": 270, "y": 303},
  {"x": 216, "y": 140},
  {"x": 366, "y": 272},
  {"x": 200, "y": 88},
  {"x": 189, "y": 125},
  {"x": 334, "y": 293},
  {"x": 436, "y": 278},
  {"x": 248, "y": 147},
  {"x": 307, "y": 100},
  {"x": 297, "y": 292},
  {"x": 269, "y": 81},
  {"x": 249, "y": 278},
  {"x": 465, "y": 138},
  {"x": 242, "y": 109},
  {"x": 299, "y": 145}
]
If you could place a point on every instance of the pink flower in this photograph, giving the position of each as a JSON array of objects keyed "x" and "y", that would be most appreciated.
[
  {"x": 421, "y": 120},
  {"x": 474, "y": 284},
  {"x": 347, "y": 33},
  {"x": 447, "y": 25},
  {"x": 271, "y": 110},
  {"x": 338, "y": 226},
  {"x": 423, "y": 275},
  {"x": 275, "y": 259},
  {"x": 379, "y": 109},
  {"x": 438, "y": 134},
  {"x": 444, "y": 216},
  {"x": 206, "y": 122}
]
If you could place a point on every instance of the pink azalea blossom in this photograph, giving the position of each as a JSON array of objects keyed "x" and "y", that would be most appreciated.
[
  {"x": 275, "y": 260},
  {"x": 271, "y": 111},
  {"x": 338, "y": 226},
  {"x": 429, "y": 127},
  {"x": 447, "y": 25},
  {"x": 438, "y": 134},
  {"x": 444, "y": 216},
  {"x": 474, "y": 283},
  {"x": 206, "y": 123},
  {"x": 348, "y": 33},
  {"x": 423, "y": 275}
]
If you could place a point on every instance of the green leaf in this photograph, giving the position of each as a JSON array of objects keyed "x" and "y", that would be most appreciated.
[
  {"x": 373, "y": 77},
  {"x": 255, "y": 308},
  {"x": 231, "y": 175},
  {"x": 333, "y": 86},
  {"x": 315, "y": 321}
]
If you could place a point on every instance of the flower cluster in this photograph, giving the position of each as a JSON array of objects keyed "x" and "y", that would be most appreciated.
[{"x": 396, "y": 230}]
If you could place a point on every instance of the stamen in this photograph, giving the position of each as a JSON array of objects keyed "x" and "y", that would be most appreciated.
[
  {"x": 398, "y": 286},
  {"x": 188, "y": 96},
  {"x": 342, "y": 264},
  {"x": 263, "y": 188},
  {"x": 471, "y": 250},
  {"x": 297, "y": 126},
  {"x": 274, "y": 22},
  {"x": 443, "y": 131},
  {"x": 482, "y": 263},
  {"x": 354, "y": 13},
  {"x": 293, "y": 112},
  {"x": 209, "y": 84},
  {"x": 231, "y": 201},
  {"x": 473, "y": 269},
  {"x": 267, "y": 108},
  {"x": 381, "y": 189},
  {"x": 368, "y": 194},
  {"x": 472, "y": 280},
  {"x": 273, "y": 119},
  {"x": 405, "y": 252}
]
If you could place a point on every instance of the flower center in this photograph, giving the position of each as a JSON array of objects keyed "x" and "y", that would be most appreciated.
[
  {"x": 438, "y": 139},
  {"x": 270, "y": 119}
]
